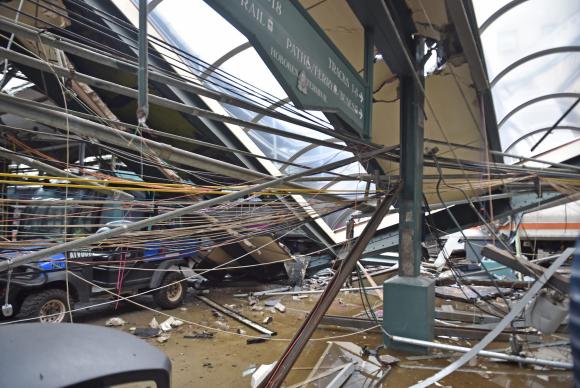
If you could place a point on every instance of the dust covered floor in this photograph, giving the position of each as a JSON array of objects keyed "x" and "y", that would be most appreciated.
[{"x": 222, "y": 360}]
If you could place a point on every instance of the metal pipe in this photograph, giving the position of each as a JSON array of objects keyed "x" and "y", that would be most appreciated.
[
  {"x": 143, "y": 77},
  {"x": 127, "y": 126},
  {"x": 6, "y": 153},
  {"x": 238, "y": 317},
  {"x": 562, "y": 117},
  {"x": 94, "y": 238},
  {"x": 114, "y": 136},
  {"x": 484, "y": 353}
]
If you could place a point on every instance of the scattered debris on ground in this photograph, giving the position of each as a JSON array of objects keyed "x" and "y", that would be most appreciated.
[
  {"x": 202, "y": 335},
  {"x": 115, "y": 321},
  {"x": 260, "y": 374},
  {"x": 146, "y": 332}
]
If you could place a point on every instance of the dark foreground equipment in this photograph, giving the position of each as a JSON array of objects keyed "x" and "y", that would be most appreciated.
[{"x": 72, "y": 355}]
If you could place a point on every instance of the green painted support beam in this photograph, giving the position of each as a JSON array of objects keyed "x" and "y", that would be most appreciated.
[
  {"x": 143, "y": 73},
  {"x": 411, "y": 169},
  {"x": 369, "y": 62},
  {"x": 409, "y": 300},
  {"x": 409, "y": 310}
]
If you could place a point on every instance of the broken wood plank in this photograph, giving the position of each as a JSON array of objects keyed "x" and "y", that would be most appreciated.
[
  {"x": 379, "y": 292},
  {"x": 559, "y": 282}
]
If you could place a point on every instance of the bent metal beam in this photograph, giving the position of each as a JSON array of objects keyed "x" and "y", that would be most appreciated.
[
  {"x": 86, "y": 128},
  {"x": 6, "y": 153},
  {"x": 154, "y": 99},
  {"x": 90, "y": 129},
  {"x": 120, "y": 64},
  {"x": 97, "y": 237}
]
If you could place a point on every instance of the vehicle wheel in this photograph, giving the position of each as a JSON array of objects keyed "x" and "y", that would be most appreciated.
[
  {"x": 171, "y": 296},
  {"x": 48, "y": 306}
]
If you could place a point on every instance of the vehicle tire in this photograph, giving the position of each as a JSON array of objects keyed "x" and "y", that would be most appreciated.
[
  {"x": 48, "y": 306},
  {"x": 171, "y": 297}
]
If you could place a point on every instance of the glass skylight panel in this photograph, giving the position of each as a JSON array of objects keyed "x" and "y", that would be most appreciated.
[
  {"x": 349, "y": 169},
  {"x": 527, "y": 28},
  {"x": 319, "y": 156},
  {"x": 297, "y": 129},
  {"x": 573, "y": 118},
  {"x": 278, "y": 147},
  {"x": 541, "y": 114},
  {"x": 555, "y": 73},
  {"x": 193, "y": 22},
  {"x": 556, "y": 139},
  {"x": 249, "y": 67},
  {"x": 198, "y": 29},
  {"x": 485, "y": 8},
  {"x": 523, "y": 31}
]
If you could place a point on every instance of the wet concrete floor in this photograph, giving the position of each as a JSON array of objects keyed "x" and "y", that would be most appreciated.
[{"x": 221, "y": 361}]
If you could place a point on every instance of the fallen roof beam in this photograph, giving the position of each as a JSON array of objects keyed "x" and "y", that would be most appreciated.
[
  {"x": 106, "y": 134},
  {"x": 6, "y": 153},
  {"x": 121, "y": 125},
  {"x": 499, "y": 153},
  {"x": 160, "y": 101},
  {"x": 557, "y": 281},
  {"x": 87, "y": 128},
  {"x": 95, "y": 55},
  {"x": 120, "y": 230}
]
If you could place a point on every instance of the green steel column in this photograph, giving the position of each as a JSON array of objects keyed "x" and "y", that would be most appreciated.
[
  {"x": 142, "y": 75},
  {"x": 408, "y": 304},
  {"x": 412, "y": 135},
  {"x": 369, "y": 62}
]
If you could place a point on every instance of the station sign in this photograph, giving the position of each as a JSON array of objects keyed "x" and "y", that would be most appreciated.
[{"x": 305, "y": 62}]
